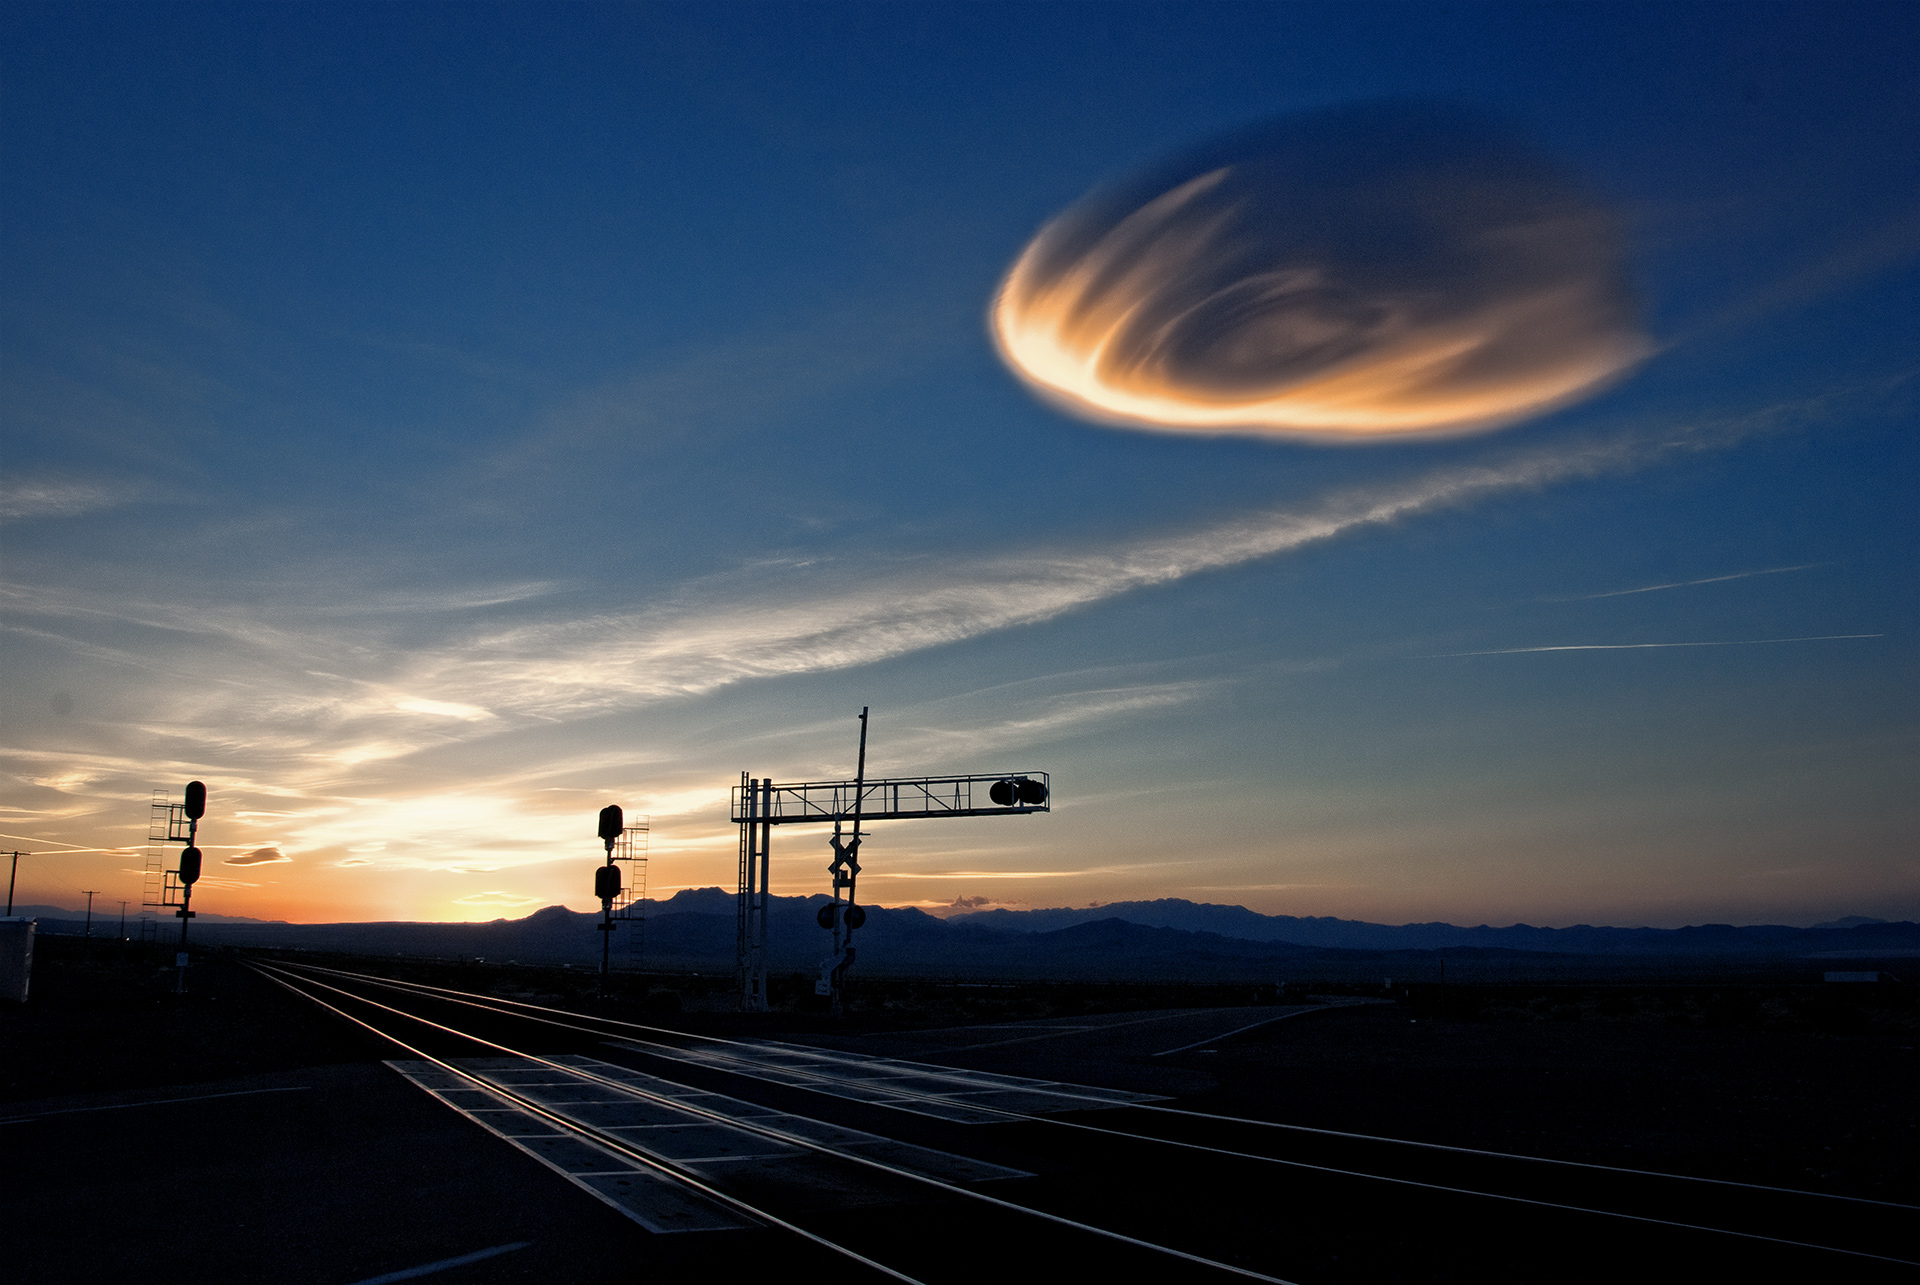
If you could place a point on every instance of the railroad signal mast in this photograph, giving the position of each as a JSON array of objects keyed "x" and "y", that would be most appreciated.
[
  {"x": 169, "y": 823},
  {"x": 606, "y": 882},
  {"x": 629, "y": 908},
  {"x": 176, "y": 823},
  {"x": 760, "y": 804},
  {"x": 626, "y": 845}
]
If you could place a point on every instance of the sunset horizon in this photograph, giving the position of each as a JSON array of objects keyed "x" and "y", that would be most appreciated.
[{"x": 1461, "y": 487}]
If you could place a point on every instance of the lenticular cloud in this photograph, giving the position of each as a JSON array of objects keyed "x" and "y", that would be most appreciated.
[{"x": 1389, "y": 270}]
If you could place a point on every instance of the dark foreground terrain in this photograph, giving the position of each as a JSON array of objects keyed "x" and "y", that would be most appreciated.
[{"x": 239, "y": 1132}]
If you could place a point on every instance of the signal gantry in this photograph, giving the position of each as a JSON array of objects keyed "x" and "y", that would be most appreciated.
[{"x": 761, "y": 804}]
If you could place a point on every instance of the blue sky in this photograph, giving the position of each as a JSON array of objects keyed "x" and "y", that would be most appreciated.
[{"x": 429, "y": 423}]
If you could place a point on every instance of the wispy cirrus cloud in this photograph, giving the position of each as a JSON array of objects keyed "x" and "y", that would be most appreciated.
[
  {"x": 51, "y": 498},
  {"x": 1049, "y": 707},
  {"x": 443, "y": 709},
  {"x": 496, "y": 899},
  {"x": 416, "y": 601},
  {"x": 731, "y": 629},
  {"x": 1018, "y": 874},
  {"x": 393, "y": 743},
  {"x": 460, "y": 758},
  {"x": 322, "y": 700}
]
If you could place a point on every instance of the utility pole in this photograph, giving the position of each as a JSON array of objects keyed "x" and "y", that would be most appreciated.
[
  {"x": 90, "y": 894},
  {"x": 11, "y": 878},
  {"x": 123, "y": 921}
]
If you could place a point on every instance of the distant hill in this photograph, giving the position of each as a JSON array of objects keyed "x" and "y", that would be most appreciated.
[
  {"x": 1170, "y": 939},
  {"x": 109, "y": 913},
  {"x": 1355, "y": 934},
  {"x": 1850, "y": 921}
]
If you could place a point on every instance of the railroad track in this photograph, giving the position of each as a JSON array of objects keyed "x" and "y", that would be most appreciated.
[{"x": 1067, "y": 1166}]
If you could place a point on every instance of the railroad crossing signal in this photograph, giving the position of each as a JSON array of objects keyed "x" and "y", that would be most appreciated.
[
  {"x": 852, "y": 916},
  {"x": 759, "y": 805}
]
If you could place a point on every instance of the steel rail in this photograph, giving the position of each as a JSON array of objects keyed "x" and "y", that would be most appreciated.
[
  {"x": 665, "y": 1168},
  {"x": 1083, "y": 1127},
  {"x": 943, "y": 1072},
  {"x": 748, "y": 1126},
  {"x": 645, "y": 1046}
]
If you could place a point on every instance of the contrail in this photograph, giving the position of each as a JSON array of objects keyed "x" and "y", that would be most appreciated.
[
  {"x": 1733, "y": 642},
  {"x": 70, "y": 847},
  {"x": 1687, "y": 584}
]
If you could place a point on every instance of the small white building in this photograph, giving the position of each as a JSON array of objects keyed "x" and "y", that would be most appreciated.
[{"x": 16, "y": 957}]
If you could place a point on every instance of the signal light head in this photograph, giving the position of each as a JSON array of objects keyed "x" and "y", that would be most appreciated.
[
  {"x": 1019, "y": 789},
  {"x": 196, "y": 804},
  {"x": 190, "y": 866},
  {"x": 850, "y": 915},
  {"x": 612, "y": 821},
  {"x": 606, "y": 882}
]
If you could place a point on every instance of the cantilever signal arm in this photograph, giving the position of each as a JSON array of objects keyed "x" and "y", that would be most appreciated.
[{"x": 898, "y": 798}]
